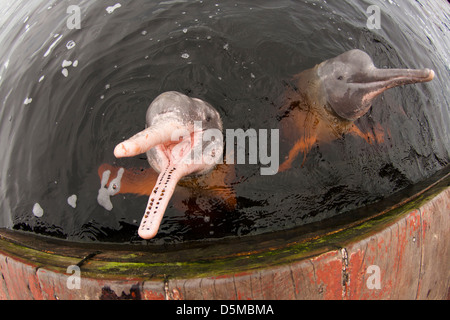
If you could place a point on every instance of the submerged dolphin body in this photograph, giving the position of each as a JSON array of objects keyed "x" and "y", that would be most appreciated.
[
  {"x": 328, "y": 98},
  {"x": 323, "y": 106},
  {"x": 175, "y": 148}
]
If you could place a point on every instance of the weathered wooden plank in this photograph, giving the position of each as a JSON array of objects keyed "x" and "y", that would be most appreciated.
[
  {"x": 328, "y": 275},
  {"x": 304, "y": 281},
  {"x": 435, "y": 270},
  {"x": 19, "y": 279},
  {"x": 245, "y": 284},
  {"x": 154, "y": 290}
]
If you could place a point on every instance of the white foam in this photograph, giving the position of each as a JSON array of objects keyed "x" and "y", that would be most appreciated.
[
  {"x": 66, "y": 64},
  {"x": 112, "y": 8},
  {"x": 28, "y": 101},
  {"x": 104, "y": 194},
  {"x": 103, "y": 197},
  {"x": 72, "y": 201},
  {"x": 65, "y": 72},
  {"x": 37, "y": 210},
  {"x": 70, "y": 45},
  {"x": 114, "y": 186}
]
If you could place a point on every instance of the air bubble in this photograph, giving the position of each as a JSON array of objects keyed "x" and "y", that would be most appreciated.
[
  {"x": 70, "y": 45},
  {"x": 37, "y": 210}
]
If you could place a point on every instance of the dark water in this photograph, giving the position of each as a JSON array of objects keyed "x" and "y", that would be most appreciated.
[{"x": 56, "y": 130}]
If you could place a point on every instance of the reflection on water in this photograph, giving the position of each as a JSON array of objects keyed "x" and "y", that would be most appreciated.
[{"x": 68, "y": 96}]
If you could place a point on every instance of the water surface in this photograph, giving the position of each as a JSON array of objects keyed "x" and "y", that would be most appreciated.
[{"x": 67, "y": 97}]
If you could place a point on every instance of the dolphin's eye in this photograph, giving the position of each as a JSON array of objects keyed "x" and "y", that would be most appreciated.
[{"x": 340, "y": 78}]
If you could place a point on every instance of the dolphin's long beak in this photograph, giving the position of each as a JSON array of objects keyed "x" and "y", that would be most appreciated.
[
  {"x": 146, "y": 139},
  {"x": 158, "y": 201},
  {"x": 173, "y": 171},
  {"x": 377, "y": 80}
]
